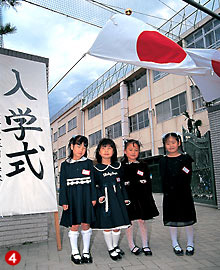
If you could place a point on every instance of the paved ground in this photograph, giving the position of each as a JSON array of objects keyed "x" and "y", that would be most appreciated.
[{"x": 44, "y": 255}]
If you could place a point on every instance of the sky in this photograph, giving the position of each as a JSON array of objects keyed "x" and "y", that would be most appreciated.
[{"x": 64, "y": 40}]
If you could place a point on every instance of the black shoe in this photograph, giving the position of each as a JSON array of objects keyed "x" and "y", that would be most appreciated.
[
  {"x": 190, "y": 250},
  {"x": 76, "y": 260},
  {"x": 136, "y": 250},
  {"x": 86, "y": 259},
  {"x": 119, "y": 251},
  {"x": 114, "y": 257},
  {"x": 178, "y": 252},
  {"x": 147, "y": 251}
]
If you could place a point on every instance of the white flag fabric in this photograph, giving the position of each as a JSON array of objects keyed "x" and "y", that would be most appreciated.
[
  {"x": 27, "y": 184},
  {"x": 127, "y": 39}
]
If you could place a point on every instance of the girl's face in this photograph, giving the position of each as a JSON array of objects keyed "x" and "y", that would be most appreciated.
[
  {"x": 79, "y": 150},
  {"x": 106, "y": 152},
  {"x": 172, "y": 145},
  {"x": 132, "y": 152}
]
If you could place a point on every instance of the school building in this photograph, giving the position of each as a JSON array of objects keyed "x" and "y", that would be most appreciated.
[{"x": 132, "y": 102}]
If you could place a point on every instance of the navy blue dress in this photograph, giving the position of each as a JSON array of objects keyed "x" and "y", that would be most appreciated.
[
  {"x": 77, "y": 190},
  {"x": 138, "y": 186},
  {"x": 178, "y": 205},
  {"x": 112, "y": 213}
]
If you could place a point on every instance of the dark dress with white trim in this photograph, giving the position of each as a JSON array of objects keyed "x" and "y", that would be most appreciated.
[
  {"x": 178, "y": 205},
  {"x": 138, "y": 186},
  {"x": 112, "y": 213},
  {"x": 77, "y": 190}
]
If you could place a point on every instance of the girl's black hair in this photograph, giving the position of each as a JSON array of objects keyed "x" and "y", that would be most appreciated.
[
  {"x": 104, "y": 142},
  {"x": 79, "y": 139},
  {"x": 126, "y": 143},
  {"x": 176, "y": 136}
]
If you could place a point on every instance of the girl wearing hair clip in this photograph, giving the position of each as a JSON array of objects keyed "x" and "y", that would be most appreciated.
[
  {"x": 77, "y": 197},
  {"x": 178, "y": 205},
  {"x": 138, "y": 186},
  {"x": 111, "y": 212}
]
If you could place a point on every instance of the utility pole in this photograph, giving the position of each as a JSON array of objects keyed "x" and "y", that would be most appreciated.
[{"x": 204, "y": 9}]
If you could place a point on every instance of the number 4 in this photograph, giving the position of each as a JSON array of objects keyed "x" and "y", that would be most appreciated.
[{"x": 12, "y": 258}]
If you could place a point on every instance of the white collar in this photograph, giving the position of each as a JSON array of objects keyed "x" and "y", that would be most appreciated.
[
  {"x": 107, "y": 166},
  {"x": 74, "y": 161}
]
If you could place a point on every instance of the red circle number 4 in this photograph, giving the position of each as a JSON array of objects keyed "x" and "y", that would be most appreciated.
[{"x": 12, "y": 257}]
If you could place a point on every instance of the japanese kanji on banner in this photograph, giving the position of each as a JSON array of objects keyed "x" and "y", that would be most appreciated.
[{"x": 27, "y": 183}]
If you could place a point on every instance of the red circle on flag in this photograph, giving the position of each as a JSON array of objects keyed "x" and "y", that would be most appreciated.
[
  {"x": 12, "y": 257},
  {"x": 154, "y": 47},
  {"x": 216, "y": 67}
]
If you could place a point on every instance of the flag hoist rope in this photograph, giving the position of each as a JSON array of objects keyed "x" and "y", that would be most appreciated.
[{"x": 66, "y": 73}]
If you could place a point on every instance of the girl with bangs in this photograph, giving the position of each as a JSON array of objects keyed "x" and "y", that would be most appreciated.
[
  {"x": 77, "y": 197},
  {"x": 178, "y": 205},
  {"x": 111, "y": 212}
]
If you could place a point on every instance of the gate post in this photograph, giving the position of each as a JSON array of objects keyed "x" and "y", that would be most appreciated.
[{"x": 214, "y": 121}]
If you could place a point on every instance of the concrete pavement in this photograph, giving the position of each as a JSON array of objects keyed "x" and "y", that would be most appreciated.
[{"x": 44, "y": 255}]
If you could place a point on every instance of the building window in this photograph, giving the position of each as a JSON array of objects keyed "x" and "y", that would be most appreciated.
[
  {"x": 62, "y": 152},
  {"x": 197, "y": 99},
  {"x": 171, "y": 107},
  {"x": 139, "y": 121},
  {"x": 138, "y": 83},
  {"x": 206, "y": 37},
  {"x": 55, "y": 137},
  {"x": 113, "y": 131},
  {"x": 160, "y": 151},
  {"x": 145, "y": 154},
  {"x": 62, "y": 130},
  {"x": 94, "y": 138},
  {"x": 72, "y": 124},
  {"x": 157, "y": 75},
  {"x": 112, "y": 99},
  {"x": 94, "y": 110}
]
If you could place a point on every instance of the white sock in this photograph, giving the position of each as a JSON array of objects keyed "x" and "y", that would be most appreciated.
[
  {"x": 143, "y": 230},
  {"x": 130, "y": 237},
  {"x": 189, "y": 235},
  {"x": 108, "y": 239},
  {"x": 86, "y": 235},
  {"x": 173, "y": 235},
  {"x": 73, "y": 236},
  {"x": 115, "y": 238}
]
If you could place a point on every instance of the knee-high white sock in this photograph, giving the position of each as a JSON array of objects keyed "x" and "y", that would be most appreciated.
[
  {"x": 73, "y": 236},
  {"x": 189, "y": 235},
  {"x": 130, "y": 237},
  {"x": 143, "y": 230},
  {"x": 115, "y": 238},
  {"x": 173, "y": 235},
  {"x": 86, "y": 236},
  {"x": 108, "y": 239}
]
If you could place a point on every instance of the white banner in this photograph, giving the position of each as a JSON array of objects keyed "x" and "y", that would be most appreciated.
[{"x": 27, "y": 182}]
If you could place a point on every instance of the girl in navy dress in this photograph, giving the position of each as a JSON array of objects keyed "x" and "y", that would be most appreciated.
[
  {"x": 77, "y": 197},
  {"x": 111, "y": 212},
  {"x": 178, "y": 205},
  {"x": 138, "y": 186}
]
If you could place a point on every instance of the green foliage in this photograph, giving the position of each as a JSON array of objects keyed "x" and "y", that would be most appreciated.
[
  {"x": 7, "y": 29},
  {"x": 193, "y": 125}
]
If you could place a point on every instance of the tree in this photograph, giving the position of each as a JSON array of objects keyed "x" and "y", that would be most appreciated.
[{"x": 7, "y": 28}]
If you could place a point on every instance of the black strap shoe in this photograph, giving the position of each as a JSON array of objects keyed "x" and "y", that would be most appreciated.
[
  {"x": 119, "y": 251},
  {"x": 147, "y": 251},
  {"x": 178, "y": 250},
  {"x": 86, "y": 258},
  {"x": 75, "y": 258},
  {"x": 136, "y": 250},
  {"x": 190, "y": 250},
  {"x": 114, "y": 255}
]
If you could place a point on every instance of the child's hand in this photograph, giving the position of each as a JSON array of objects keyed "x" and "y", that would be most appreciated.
[
  {"x": 93, "y": 203},
  {"x": 102, "y": 199},
  {"x": 65, "y": 207}
]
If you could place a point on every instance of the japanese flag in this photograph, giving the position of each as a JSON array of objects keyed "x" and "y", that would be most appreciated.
[{"x": 129, "y": 40}]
